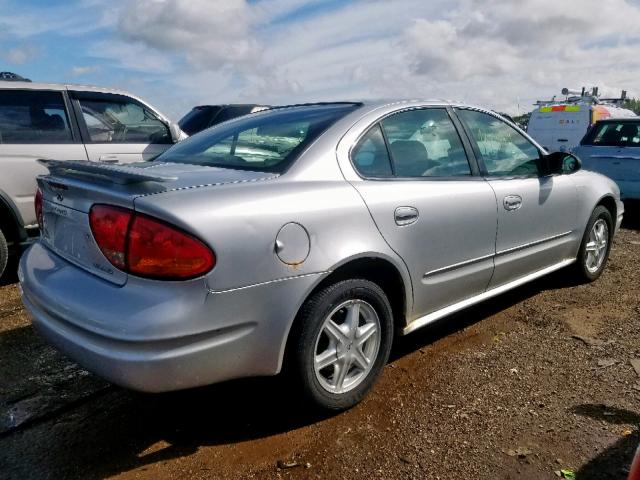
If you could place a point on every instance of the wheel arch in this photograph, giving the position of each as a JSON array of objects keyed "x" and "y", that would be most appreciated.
[
  {"x": 609, "y": 203},
  {"x": 10, "y": 223},
  {"x": 384, "y": 272}
]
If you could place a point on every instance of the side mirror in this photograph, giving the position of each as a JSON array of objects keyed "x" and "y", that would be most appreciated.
[{"x": 560, "y": 162}]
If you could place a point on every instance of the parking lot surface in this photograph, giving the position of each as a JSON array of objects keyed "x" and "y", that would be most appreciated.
[{"x": 534, "y": 382}]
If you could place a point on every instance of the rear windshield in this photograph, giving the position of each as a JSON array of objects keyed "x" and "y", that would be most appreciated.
[
  {"x": 267, "y": 142},
  {"x": 613, "y": 134}
]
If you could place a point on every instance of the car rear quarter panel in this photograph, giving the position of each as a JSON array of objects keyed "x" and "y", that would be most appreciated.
[
  {"x": 240, "y": 223},
  {"x": 592, "y": 188}
]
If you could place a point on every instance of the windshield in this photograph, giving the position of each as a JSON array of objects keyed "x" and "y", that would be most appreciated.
[
  {"x": 267, "y": 142},
  {"x": 614, "y": 134}
]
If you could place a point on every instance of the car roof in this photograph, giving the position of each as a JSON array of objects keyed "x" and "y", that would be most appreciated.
[
  {"x": 232, "y": 105},
  {"x": 60, "y": 87},
  {"x": 389, "y": 105}
]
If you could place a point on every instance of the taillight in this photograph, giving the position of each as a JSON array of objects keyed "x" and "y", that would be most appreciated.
[
  {"x": 38, "y": 206},
  {"x": 109, "y": 226},
  {"x": 144, "y": 246},
  {"x": 159, "y": 250}
]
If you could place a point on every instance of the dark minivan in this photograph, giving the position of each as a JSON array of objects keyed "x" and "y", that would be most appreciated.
[{"x": 205, "y": 116}]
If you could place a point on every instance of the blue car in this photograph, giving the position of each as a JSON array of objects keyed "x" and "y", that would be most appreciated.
[{"x": 612, "y": 147}]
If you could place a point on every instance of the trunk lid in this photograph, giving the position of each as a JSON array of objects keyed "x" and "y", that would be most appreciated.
[{"x": 72, "y": 187}]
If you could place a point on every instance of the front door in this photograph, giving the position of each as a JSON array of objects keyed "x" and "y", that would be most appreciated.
[
  {"x": 536, "y": 212},
  {"x": 117, "y": 128},
  {"x": 429, "y": 206}
]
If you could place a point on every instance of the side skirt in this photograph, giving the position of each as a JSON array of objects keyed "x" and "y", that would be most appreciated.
[{"x": 437, "y": 315}]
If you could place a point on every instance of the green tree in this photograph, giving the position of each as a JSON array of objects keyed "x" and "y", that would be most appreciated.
[
  {"x": 633, "y": 104},
  {"x": 522, "y": 120}
]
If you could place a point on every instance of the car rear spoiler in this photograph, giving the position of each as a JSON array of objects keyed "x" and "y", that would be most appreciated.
[{"x": 121, "y": 174}]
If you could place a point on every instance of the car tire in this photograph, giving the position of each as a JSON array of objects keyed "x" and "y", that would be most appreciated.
[
  {"x": 4, "y": 253},
  {"x": 342, "y": 341},
  {"x": 595, "y": 246}
]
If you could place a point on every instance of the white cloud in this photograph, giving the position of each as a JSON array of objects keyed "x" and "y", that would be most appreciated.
[
  {"x": 135, "y": 57},
  {"x": 84, "y": 70},
  {"x": 206, "y": 33},
  {"x": 491, "y": 52},
  {"x": 67, "y": 19},
  {"x": 19, "y": 55}
]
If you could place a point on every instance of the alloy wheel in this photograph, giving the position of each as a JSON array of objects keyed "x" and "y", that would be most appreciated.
[
  {"x": 597, "y": 245},
  {"x": 347, "y": 346}
]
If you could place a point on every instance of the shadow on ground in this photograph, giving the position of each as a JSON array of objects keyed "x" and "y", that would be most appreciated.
[
  {"x": 10, "y": 274},
  {"x": 116, "y": 431},
  {"x": 631, "y": 219},
  {"x": 612, "y": 463}
]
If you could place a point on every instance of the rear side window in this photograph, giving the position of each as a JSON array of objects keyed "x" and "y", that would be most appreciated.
[
  {"x": 504, "y": 151},
  {"x": 614, "y": 134},
  {"x": 370, "y": 156},
  {"x": 33, "y": 117},
  {"x": 120, "y": 121}
]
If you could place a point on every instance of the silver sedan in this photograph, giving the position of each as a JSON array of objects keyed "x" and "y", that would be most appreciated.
[{"x": 303, "y": 238}]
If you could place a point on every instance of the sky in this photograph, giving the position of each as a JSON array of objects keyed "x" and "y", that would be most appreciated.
[{"x": 502, "y": 54}]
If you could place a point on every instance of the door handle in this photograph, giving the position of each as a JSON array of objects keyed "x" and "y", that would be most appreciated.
[
  {"x": 512, "y": 202},
  {"x": 405, "y": 216},
  {"x": 108, "y": 158}
]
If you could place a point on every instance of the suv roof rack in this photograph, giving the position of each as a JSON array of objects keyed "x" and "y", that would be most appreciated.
[{"x": 584, "y": 96}]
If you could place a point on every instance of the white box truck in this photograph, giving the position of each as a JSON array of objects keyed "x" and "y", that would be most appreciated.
[{"x": 560, "y": 125}]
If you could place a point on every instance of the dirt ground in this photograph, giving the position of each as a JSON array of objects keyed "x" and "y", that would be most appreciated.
[{"x": 520, "y": 387}]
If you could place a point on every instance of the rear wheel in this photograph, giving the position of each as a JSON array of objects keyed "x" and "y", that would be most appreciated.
[
  {"x": 595, "y": 246},
  {"x": 342, "y": 342},
  {"x": 4, "y": 253}
]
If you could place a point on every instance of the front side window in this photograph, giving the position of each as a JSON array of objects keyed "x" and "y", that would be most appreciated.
[
  {"x": 504, "y": 151},
  {"x": 269, "y": 142},
  {"x": 425, "y": 143},
  {"x": 33, "y": 117},
  {"x": 614, "y": 134},
  {"x": 120, "y": 121}
]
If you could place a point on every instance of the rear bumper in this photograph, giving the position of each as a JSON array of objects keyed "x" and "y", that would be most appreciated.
[{"x": 159, "y": 336}]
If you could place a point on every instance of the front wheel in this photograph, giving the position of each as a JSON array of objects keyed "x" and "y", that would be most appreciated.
[
  {"x": 342, "y": 341},
  {"x": 595, "y": 246}
]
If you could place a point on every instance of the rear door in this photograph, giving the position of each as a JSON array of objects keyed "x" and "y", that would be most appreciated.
[
  {"x": 430, "y": 204},
  {"x": 33, "y": 124},
  {"x": 536, "y": 213},
  {"x": 117, "y": 128}
]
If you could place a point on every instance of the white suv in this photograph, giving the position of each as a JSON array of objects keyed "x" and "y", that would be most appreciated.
[{"x": 66, "y": 122}]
